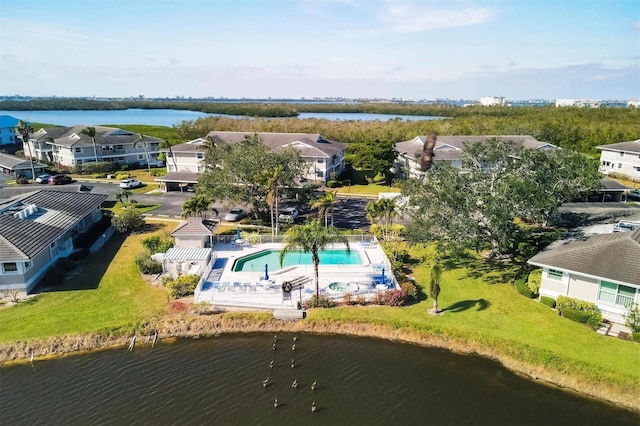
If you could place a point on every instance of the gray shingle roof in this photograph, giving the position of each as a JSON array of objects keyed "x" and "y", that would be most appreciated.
[
  {"x": 191, "y": 146},
  {"x": 614, "y": 256},
  {"x": 72, "y": 136},
  {"x": 307, "y": 144},
  {"x": 12, "y": 162},
  {"x": 195, "y": 227},
  {"x": 56, "y": 212},
  {"x": 631, "y": 146},
  {"x": 451, "y": 147}
]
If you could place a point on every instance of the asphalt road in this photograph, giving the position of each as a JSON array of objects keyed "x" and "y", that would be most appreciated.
[{"x": 348, "y": 214}]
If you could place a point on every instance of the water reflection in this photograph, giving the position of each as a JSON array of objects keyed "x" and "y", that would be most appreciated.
[{"x": 220, "y": 381}]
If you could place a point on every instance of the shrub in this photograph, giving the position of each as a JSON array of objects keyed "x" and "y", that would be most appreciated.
[
  {"x": 396, "y": 297},
  {"x": 99, "y": 175},
  {"x": 549, "y": 301},
  {"x": 522, "y": 288},
  {"x": 129, "y": 219},
  {"x": 101, "y": 167},
  {"x": 635, "y": 336},
  {"x": 146, "y": 265},
  {"x": 361, "y": 300},
  {"x": 576, "y": 315},
  {"x": 564, "y": 302},
  {"x": 22, "y": 180},
  {"x": 348, "y": 299},
  {"x": 120, "y": 176},
  {"x": 319, "y": 302},
  {"x": 632, "y": 318},
  {"x": 534, "y": 280},
  {"x": 158, "y": 172},
  {"x": 158, "y": 244},
  {"x": 332, "y": 183},
  {"x": 410, "y": 290},
  {"x": 183, "y": 286}
]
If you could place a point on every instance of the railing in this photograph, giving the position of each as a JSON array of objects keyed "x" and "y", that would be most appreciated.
[
  {"x": 615, "y": 298},
  {"x": 203, "y": 277},
  {"x": 280, "y": 239}
]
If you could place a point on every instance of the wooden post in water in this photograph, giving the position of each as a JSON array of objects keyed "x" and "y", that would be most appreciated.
[
  {"x": 155, "y": 339},
  {"x": 133, "y": 343}
]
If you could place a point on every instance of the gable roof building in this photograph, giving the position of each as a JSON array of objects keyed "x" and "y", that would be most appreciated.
[
  {"x": 16, "y": 166},
  {"x": 68, "y": 146},
  {"x": 603, "y": 269},
  {"x": 186, "y": 161},
  {"x": 8, "y": 129},
  {"x": 451, "y": 148},
  {"x": 621, "y": 158},
  {"x": 37, "y": 228}
]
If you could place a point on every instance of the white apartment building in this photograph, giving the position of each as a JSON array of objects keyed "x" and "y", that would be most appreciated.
[
  {"x": 580, "y": 103},
  {"x": 622, "y": 158},
  {"x": 492, "y": 101},
  {"x": 186, "y": 161},
  {"x": 68, "y": 146}
]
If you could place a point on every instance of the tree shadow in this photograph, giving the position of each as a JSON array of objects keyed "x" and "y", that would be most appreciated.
[{"x": 465, "y": 305}]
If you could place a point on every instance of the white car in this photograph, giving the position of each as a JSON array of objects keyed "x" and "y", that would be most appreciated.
[
  {"x": 44, "y": 178},
  {"x": 130, "y": 183},
  {"x": 235, "y": 215},
  {"x": 290, "y": 214}
]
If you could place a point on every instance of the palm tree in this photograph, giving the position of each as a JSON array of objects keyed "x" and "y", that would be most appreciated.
[
  {"x": 197, "y": 205},
  {"x": 312, "y": 237},
  {"x": 272, "y": 181},
  {"x": 384, "y": 210},
  {"x": 325, "y": 205},
  {"x": 25, "y": 129},
  {"x": 434, "y": 285},
  {"x": 124, "y": 196},
  {"x": 166, "y": 144},
  {"x": 91, "y": 132},
  {"x": 140, "y": 141}
]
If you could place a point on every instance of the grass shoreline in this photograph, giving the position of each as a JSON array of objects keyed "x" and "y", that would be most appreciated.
[{"x": 193, "y": 326}]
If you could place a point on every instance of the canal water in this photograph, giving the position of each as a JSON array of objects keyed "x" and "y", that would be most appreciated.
[
  {"x": 170, "y": 117},
  {"x": 219, "y": 381}
]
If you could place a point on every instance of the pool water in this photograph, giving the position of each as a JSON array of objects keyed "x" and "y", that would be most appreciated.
[
  {"x": 339, "y": 287},
  {"x": 255, "y": 262}
]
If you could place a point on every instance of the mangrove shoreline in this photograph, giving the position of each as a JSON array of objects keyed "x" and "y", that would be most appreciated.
[{"x": 201, "y": 326}]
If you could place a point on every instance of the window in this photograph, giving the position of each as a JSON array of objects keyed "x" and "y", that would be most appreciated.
[
  {"x": 140, "y": 157},
  {"x": 616, "y": 294},
  {"x": 320, "y": 161},
  {"x": 200, "y": 169},
  {"x": 199, "y": 155},
  {"x": 319, "y": 173},
  {"x": 621, "y": 154},
  {"x": 554, "y": 274},
  {"x": 27, "y": 265},
  {"x": 118, "y": 146},
  {"x": 10, "y": 267},
  {"x": 619, "y": 165},
  {"x": 78, "y": 149}
]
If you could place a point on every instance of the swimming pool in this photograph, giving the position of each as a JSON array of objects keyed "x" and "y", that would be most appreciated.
[{"x": 255, "y": 262}]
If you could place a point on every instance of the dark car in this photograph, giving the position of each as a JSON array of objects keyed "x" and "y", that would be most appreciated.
[
  {"x": 633, "y": 195},
  {"x": 59, "y": 180}
]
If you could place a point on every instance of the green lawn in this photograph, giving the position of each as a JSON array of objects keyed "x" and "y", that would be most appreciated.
[
  {"x": 109, "y": 294},
  {"x": 479, "y": 308},
  {"x": 370, "y": 189}
]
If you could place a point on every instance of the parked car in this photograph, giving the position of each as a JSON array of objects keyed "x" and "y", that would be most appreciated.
[
  {"x": 633, "y": 195},
  {"x": 235, "y": 215},
  {"x": 60, "y": 180},
  {"x": 130, "y": 183},
  {"x": 290, "y": 214},
  {"x": 44, "y": 178}
]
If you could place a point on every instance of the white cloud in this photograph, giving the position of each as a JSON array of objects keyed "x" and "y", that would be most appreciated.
[{"x": 403, "y": 16}]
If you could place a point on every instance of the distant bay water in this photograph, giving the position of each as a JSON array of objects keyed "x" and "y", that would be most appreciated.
[{"x": 171, "y": 117}]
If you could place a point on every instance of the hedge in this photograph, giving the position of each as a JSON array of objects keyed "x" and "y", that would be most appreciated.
[
  {"x": 575, "y": 315},
  {"x": 549, "y": 301},
  {"x": 523, "y": 289}
]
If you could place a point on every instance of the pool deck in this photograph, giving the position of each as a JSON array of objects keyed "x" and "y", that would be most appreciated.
[{"x": 225, "y": 288}]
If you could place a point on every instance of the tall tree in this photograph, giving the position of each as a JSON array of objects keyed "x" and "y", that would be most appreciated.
[
  {"x": 245, "y": 172},
  {"x": 166, "y": 144},
  {"x": 312, "y": 237},
  {"x": 384, "y": 211},
  {"x": 434, "y": 285},
  {"x": 24, "y": 129},
  {"x": 91, "y": 132},
  {"x": 325, "y": 205},
  {"x": 478, "y": 204}
]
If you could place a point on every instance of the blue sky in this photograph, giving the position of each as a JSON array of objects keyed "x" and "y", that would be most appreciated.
[{"x": 411, "y": 49}]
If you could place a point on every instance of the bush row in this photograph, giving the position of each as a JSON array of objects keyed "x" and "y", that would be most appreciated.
[
  {"x": 580, "y": 311},
  {"x": 521, "y": 285},
  {"x": 549, "y": 301},
  {"x": 146, "y": 265}
]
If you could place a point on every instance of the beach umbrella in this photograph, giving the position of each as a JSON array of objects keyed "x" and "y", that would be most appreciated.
[
  {"x": 266, "y": 271},
  {"x": 238, "y": 233}
]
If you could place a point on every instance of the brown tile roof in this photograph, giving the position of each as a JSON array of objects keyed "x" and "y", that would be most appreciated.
[{"x": 614, "y": 256}]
